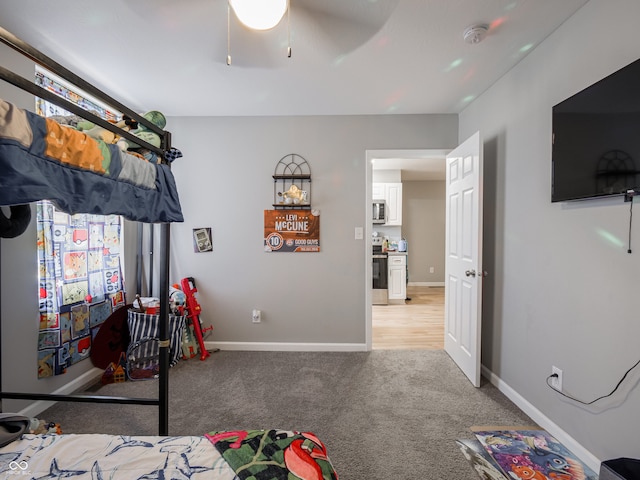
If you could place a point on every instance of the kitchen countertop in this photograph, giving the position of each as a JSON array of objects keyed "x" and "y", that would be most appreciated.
[{"x": 395, "y": 252}]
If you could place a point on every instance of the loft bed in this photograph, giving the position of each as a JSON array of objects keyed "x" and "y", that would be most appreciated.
[
  {"x": 31, "y": 172},
  {"x": 33, "y": 169}
]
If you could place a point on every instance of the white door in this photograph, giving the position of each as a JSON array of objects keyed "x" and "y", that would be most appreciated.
[{"x": 463, "y": 262}]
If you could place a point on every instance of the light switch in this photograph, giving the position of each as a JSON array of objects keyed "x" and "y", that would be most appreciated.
[{"x": 359, "y": 233}]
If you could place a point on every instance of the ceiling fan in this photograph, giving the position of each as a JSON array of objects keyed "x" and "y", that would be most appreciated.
[{"x": 331, "y": 28}]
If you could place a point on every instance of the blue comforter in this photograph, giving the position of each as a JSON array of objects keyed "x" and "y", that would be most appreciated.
[{"x": 40, "y": 159}]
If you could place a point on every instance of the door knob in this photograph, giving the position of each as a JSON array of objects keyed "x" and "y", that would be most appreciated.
[{"x": 470, "y": 273}]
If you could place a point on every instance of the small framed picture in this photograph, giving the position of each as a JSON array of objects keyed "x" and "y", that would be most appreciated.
[{"x": 202, "y": 240}]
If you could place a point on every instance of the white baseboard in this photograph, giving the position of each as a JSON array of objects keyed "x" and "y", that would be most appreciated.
[
  {"x": 287, "y": 347},
  {"x": 87, "y": 378},
  {"x": 426, "y": 284},
  {"x": 537, "y": 416}
]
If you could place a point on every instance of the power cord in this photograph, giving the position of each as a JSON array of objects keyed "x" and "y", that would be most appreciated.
[{"x": 555, "y": 375}]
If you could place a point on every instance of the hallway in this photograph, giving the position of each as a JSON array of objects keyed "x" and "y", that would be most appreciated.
[{"x": 417, "y": 325}]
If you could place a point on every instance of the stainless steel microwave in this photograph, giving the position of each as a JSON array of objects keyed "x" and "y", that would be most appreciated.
[{"x": 379, "y": 211}]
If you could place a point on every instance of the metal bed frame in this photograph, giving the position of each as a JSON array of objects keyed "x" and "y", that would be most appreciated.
[{"x": 163, "y": 392}]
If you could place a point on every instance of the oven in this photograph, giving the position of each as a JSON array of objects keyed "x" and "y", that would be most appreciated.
[{"x": 379, "y": 293}]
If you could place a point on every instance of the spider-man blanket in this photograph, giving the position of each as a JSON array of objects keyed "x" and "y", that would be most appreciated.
[{"x": 274, "y": 454}]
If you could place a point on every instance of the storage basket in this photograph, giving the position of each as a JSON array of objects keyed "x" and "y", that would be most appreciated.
[{"x": 143, "y": 354}]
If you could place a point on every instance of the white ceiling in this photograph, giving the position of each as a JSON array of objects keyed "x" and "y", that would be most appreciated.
[
  {"x": 414, "y": 165},
  {"x": 348, "y": 56}
]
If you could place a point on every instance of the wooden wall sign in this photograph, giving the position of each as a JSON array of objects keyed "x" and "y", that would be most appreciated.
[{"x": 291, "y": 230}]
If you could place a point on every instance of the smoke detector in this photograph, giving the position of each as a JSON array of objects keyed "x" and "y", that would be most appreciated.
[{"x": 475, "y": 33}]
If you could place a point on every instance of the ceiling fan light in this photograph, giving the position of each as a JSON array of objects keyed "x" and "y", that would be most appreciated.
[{"x": 259, "y": 14}]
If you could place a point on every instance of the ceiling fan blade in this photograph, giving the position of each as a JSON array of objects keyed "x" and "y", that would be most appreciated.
[{"x": 341, "y": 26}]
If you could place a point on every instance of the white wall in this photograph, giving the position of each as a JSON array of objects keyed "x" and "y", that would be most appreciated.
[
  {"x": 423, "y": 226},
  {"x": 562, "y": 289},
  {"x": 225, "y": 182},
  {"x": 386, "y": 176}
]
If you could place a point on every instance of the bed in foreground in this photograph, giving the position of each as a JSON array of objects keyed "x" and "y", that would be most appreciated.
[{"x": 257, "y": 454}]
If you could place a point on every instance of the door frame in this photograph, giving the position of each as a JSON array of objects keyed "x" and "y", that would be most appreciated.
[
  {"x": 370, "y": 155},
  {"x": 368, "y": 228}
]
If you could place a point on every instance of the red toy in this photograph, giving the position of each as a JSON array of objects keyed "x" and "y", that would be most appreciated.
[{"x": 193, "y": 313}]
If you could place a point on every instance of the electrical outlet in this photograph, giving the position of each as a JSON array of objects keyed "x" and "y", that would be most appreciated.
[
  {"x": 431, "y": 269},
  {"x": 256, "y": 316},
  {"x": 556, "y": 381}
]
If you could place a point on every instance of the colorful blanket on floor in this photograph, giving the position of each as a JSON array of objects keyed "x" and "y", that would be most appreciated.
[
  {"x": 483, "y": 463},
  {"x": 532, "y": 454},
  {"x": 274, "y": 454}
]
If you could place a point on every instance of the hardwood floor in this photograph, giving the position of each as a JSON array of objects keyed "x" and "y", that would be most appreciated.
[{"x": 419, "y": 324}]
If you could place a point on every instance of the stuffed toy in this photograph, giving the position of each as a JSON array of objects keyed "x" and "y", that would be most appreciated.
[
  {"x": 143, "y": 133},
  {"x": 177, "y": 300},
  {"x": 99, "y": 133}
]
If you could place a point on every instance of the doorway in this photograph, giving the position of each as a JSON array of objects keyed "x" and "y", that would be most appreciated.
[
  {"x": 416, "y": 325},
  {"x": 419, "y": 322}
]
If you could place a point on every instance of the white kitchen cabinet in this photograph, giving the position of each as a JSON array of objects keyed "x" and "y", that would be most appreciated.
[
  {"x": 391, "y": 193},
  {"x": 393, "y": 196},
  {"x": 377, "y": 191},
  {"x": 397, "y": 267}
]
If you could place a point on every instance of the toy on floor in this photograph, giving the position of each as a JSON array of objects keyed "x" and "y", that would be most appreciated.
[
  {"x": 189, "y": 343},
  {"x": 39, "y": 427},
  {"x": 193, "y": 314},
  {"x": 178, "y": 306},
  {"x": 177, "y": 300},
  {"x": 115, "y": 372}
]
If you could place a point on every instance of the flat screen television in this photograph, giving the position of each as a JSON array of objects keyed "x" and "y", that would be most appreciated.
[{"x": 596, "y": 139}]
